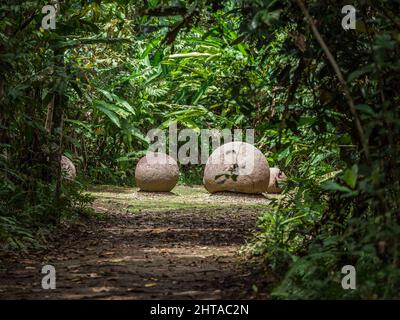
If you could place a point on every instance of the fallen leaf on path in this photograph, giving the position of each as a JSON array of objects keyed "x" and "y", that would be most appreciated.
[
  {"x": 149, "y": 285},
  {"x": 159, "y": 230},
  {"x": 101, "y": 289}
]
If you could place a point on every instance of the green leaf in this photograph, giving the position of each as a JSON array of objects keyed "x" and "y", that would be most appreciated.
[
  {"x": 136, "y": 133},
  {"x": 79, "y": 123},
  {"x": 334, "y": 186},
  {"x": 154, "y": 76},
  {"x": 189, "y": 55},
  {"x": 359, "y": 72},
  {"x": 283, "y": 154},
  {"x": 121, "y": 112},
  {"x": 200, "y": 92},
  {"x": 350, "y": 176},
  {"x": 365, "y": 109},
  {"x": 125, "y": 104},
  {"x": 150, "y": 47},
  {"x": 110, "y": 114},
  {"x": 107, "y": 94},
  {"x": 293, "y": 219}
]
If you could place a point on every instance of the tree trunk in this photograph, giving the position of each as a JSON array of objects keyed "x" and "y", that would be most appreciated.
[
  {"x": 57, "y": 122},
  {"x": 49, "y": 117}
]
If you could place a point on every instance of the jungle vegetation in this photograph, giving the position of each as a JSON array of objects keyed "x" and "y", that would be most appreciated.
[{"x": 323, "y": 102}]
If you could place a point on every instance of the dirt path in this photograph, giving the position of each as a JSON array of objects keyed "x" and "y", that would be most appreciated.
[{"x": 179, "y": 246}]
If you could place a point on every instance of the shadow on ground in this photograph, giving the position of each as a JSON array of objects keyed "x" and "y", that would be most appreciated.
[{"x": 179, "y": 251}]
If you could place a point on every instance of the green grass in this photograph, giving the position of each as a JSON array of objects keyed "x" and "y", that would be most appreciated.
[{"x": 181, "y": 198}]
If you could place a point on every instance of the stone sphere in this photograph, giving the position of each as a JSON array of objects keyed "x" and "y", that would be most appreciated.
[
  {"x": 236, "y": 167},
  {"x": 68, "y": 168},
  {"x": 156, "y": 172},
  {"x": 276, "y": 177}
]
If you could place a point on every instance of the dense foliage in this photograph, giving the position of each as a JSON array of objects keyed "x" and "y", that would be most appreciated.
[{"x": 323, "y": 102}]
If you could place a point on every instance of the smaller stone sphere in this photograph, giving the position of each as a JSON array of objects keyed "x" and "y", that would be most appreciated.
[
  {"x": 68, "y": 168},
  {"x": 156, "y": 172},
  {"x": 276, "y": 177}
]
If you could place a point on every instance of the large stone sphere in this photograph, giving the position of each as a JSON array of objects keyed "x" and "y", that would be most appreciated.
[
  {"x": 236, "y": 167},
  {"x": 276, "y": 177},
  {"x": 156, "y": 172},
  {"x": 68, "y": 168}
]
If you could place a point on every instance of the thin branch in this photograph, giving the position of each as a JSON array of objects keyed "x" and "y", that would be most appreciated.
[{"x": 339, "y": 75}]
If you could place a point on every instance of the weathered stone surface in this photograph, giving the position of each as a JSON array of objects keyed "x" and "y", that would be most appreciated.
[
  {"x": 157, "y": 172},
  {"x": 276, "y": 176},
  {"x": 68, "y": 168},
  {"x": 236, "y": 167}
]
